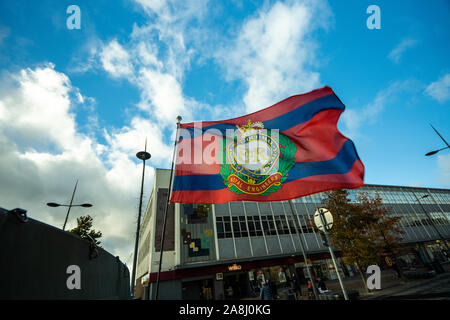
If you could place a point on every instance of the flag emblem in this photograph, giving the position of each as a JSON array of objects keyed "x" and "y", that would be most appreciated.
[{"x": 253, "y": 164}]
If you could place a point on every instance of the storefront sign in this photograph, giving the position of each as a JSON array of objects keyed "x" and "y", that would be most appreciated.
[{"x": 234, "y": 267}]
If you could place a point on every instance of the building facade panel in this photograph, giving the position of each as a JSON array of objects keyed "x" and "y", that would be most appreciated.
[
  {"x": 243, "y": 247},
  {"x": 226, "y": 249}
]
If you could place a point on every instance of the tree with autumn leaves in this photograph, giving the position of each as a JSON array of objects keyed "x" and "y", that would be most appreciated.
[{"x": 363, "y": 230}]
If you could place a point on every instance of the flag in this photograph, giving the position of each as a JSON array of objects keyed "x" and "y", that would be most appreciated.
[{"x": 286, "y": 151}]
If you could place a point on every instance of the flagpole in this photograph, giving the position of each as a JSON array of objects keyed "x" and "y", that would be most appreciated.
[
  {"x": 313, "y": 285},
  {"x": 167, "y": 207}
]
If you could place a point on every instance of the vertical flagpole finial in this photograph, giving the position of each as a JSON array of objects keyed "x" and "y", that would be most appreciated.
[{"x": 179, "y": 118}]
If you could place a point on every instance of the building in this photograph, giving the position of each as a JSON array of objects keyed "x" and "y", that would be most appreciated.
[{"x": 219, "y": 251}]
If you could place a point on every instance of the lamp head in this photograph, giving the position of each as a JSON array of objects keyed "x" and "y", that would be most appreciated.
[
  {"x": 143, "y": 155},
  {"x": 431, "y": 153},
  {"x": 52, "y": 204}
]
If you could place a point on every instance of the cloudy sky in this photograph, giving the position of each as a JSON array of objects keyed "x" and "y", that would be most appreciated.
[{"x": 79, "y": 103}]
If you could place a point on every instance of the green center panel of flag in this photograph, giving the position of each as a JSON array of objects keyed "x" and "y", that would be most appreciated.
[{"x": 256, "y": 161}]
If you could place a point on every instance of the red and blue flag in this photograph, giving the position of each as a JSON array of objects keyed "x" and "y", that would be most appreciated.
[{"x": 286, "y": 151}]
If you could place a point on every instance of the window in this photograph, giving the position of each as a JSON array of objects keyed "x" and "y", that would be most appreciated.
[
  {"x": 251, "y": 226},
  {"x": 227, "y": 227},
  {"x": 279, "y": 224},
  {"x": 258, "y": 227},
  {"x": 254, "y": 226},
  {"x": 220, "y": 228},
  {"x": 292, "y": 225},
  {"x": 268, "y": 226},
  {"x": 236, "y": 230},
  {"x": 243, "y": 225}
]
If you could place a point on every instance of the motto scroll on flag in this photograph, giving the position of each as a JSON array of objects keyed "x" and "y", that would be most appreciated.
[{"x": 286, "y": 151}]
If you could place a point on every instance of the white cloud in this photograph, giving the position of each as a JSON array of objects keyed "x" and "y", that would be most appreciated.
[
  {"x": 396, "y": 54},
  {"x": 129, "y": 139},
  {"x": 274, "y": 52},
  {"x": 353, "y": 119},
  {"x": 86, "y": 57},
  {"x": 42, "y": 154},
  {"x": 116, "y": 60},
  {"x": 164, "y": 93},
  {"x": 440, "y": 89},
  {"x": 43, "y": 102},
  {"x": 156, "y": 57}
]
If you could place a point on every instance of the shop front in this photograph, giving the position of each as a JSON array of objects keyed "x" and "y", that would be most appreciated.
[
  {"x": 242, "y": 280},
  {"x": 198, "y": 289}
]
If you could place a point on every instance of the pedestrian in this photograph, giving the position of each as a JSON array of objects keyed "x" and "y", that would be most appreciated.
[
  {"x": 265, "y": 292},
  {"x": 296, "y": 284},
  {"x": 310, "y": 290},
  {"x": 229, "y": 292},
  {"x": 322, "y": 286},
  {"x": 273, "y": 288},
  {"x": 397, "y": 269}
]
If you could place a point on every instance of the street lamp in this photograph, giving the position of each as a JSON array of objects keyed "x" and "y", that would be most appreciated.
[
  {"x": 54, "y": 205},
  {"x": 85, "y": 205},
  {"x": 436, "y": 151},
  {"x": 141, "y": 155}
]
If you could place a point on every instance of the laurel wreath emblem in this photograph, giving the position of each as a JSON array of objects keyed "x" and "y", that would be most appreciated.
[{"x": 285, "y": 163}]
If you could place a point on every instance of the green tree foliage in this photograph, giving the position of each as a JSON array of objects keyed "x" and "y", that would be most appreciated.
[{"x": 84, "y": 229}]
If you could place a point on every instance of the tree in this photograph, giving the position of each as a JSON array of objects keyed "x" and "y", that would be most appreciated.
[
  {"x": 348, "y": 234},
  {"x": 83, "y": 229},
  {"x": 383, "y": 227},
  {"x": 362, "y": 230}
]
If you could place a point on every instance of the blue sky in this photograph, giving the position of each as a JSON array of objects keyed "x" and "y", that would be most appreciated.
[{"x": 78, "y": 104}]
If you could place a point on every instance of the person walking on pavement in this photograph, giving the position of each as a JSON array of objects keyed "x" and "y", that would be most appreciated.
[
  {"x": 273, "y": 289},
  {"x": 322, "y": 286},
  {"x": 296, "y": 286},
  {"x": 310, "y": 290},
  {"x": 266, "y": 292}
]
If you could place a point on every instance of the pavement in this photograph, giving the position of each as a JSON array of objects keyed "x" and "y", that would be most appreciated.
[
  {"x": 434, "y": 288},
  {"x": 392, "y": 288}
]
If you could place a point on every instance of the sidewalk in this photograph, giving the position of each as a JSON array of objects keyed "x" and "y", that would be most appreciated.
[
  {"x": 436, "y": 285},
  {"x": 391, "y": 285}
]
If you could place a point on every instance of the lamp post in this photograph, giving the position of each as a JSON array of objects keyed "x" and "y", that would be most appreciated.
[
  {"x": 84, "y": 205},
  {"x": 431, "y": 221},
  {"x": 141, "y": 155},
  {"x": 324, "y": 224},
  {"x": 436, "y": 151}
]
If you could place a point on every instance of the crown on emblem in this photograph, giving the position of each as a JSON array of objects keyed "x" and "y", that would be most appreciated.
[{"x": 250, "y": 127}]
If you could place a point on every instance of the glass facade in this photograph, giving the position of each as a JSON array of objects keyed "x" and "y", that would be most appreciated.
[{"x": 272, "y": 228}]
